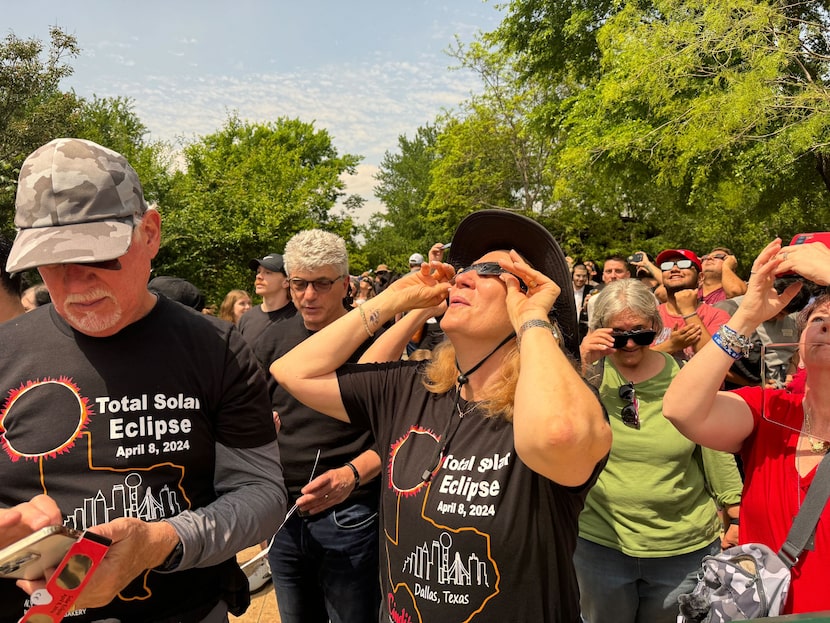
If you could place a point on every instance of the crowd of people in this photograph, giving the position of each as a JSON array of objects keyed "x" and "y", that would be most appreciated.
[{"x": 503, "y": 433}]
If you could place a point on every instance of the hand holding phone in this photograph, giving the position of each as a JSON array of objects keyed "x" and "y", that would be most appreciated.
[{"x": 31, "y": 557}]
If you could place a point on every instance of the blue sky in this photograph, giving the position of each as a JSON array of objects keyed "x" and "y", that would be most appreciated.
[{"x": 366, "y": 70}]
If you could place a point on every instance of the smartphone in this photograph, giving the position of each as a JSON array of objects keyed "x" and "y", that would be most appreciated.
[
  {"x": 637, "y": 257},
  {"x": 31, "y": 556},
  {"x": 823, "y": 237},
  {"x": 807, "y": 238}
]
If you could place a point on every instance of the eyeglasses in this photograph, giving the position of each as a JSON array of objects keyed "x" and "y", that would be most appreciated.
[
  {"x": 717, "y": 256},
  {"x": 664, "y": 266},
  {"x": 641, "y": 337},
  {"x": 320, "y": 285},
  {"x": 630, "y": 413},
  {"x": 490, "y": 269}
]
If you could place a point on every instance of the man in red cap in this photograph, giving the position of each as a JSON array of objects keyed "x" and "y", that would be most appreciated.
[{"x": 687, "y": 324}]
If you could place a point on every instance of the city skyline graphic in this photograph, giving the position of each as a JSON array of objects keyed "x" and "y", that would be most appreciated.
[
  {"x": 437, "y": 561},
  {"x": 126, "y": 499}
]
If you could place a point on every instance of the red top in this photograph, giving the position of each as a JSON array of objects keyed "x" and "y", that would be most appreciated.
[{"x": 773, "y": 493}]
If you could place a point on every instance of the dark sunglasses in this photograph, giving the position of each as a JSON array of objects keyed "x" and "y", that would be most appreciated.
[
  {"x": 630, "y": 413},
  {"x": 641, "y": 337},
  {"x": 319, "y": 285},
  {"x": 664, "y": 266},
  {"x": 105, "y": 265},
  {"x": 490, "y": 269},
  {"x": 716, "y": 256}
]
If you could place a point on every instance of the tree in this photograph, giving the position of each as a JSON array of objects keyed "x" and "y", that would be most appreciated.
[
  {"x": 489, "y": 155},
  {"x": 404, "y": 179},
  {"x": 246, "y": 189},
  {"x": 720, "y": 109},
  {"x": 33, "y": 110},
  {"x": 112, "y": 122}
]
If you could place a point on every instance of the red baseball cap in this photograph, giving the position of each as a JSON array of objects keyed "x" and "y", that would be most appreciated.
[{"x": 669, "y": 254}]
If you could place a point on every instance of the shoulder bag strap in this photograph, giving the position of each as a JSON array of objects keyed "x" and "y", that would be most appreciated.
[{"x": 804, "y": 524}]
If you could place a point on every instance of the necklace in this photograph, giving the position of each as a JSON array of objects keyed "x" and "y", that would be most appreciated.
[
  {"x": 470, "y": 407},
  {"x": 817, "y": 446}
]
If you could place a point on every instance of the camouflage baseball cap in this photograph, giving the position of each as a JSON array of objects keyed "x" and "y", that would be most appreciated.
[{"x": 75, "y": 203}]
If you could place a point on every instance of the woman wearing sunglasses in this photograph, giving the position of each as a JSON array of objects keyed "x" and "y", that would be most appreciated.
[
  {"x": 490, "y": 448},
  {"x": 649, "y": 519}
]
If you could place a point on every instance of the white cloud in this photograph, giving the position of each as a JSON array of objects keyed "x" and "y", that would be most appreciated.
[{"x": 366, "y": 82}]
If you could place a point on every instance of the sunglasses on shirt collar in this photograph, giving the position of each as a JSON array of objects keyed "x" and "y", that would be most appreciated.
[
  {"x": 490, "y": 269},
  {"x": 641, "y": 337},
  {"x": 630, "y": 413}
]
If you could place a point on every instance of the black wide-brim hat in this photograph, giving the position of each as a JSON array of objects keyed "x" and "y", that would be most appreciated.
[{"x": 494, "y": 230}]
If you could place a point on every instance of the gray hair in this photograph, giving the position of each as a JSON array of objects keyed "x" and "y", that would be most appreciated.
[
  {"x": 625, "y": 295},
  {"x": 314, "y": 248}
]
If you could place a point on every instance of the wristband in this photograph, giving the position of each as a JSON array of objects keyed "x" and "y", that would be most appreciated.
[
  {"x": 730, "y": 342},
  {"x": 733, "y": 521},
  {"x": 355, "y": 472}
]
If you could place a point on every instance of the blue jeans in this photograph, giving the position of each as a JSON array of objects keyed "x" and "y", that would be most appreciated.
[
  {"x": 616, "y": 588},
  {"x": 325, "y": 567}
]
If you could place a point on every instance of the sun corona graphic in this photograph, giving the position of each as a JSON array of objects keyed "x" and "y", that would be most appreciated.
[{"x": 16, "y": 437}]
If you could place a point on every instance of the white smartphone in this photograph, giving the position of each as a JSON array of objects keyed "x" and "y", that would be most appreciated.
[{"x": 31, "y": 556}]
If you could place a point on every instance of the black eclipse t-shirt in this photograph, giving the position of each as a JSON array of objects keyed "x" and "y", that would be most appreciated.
[
  {"x": 126, "y": 426},
  {"x": 487, "y": 539}
]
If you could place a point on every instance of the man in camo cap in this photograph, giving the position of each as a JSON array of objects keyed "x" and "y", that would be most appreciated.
[
  {"x": 143, "y": 420},
  {"x": 76, "y": 202}
]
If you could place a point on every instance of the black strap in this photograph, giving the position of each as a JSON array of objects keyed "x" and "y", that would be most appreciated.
[
  {"x": 804, "y": 525},
  {"x": 453, "y": 423}
]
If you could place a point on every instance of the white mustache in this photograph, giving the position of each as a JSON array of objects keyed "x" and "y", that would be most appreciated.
[{"x": 88, "y": 297}]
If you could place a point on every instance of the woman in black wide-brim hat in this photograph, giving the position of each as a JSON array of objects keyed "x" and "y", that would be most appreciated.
[{"x": 490, "y": 448}]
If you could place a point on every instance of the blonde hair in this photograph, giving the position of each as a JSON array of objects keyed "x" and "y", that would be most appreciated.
[
  {"x": 226, "y": 308},
  {"x": 441, "y": 376}
]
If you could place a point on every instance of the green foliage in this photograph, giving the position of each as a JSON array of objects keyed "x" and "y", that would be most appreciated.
[
  {"x": 246, "y": 190},
  {"x": 681, "y": 123},
  {"x": 404, "y": 180},
  {"x": 484, "y": 156},
  {"x": 112, "y": 122},
  {"x": 33, "y": 110}
]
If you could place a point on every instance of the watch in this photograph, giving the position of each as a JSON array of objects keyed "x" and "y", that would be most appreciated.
[
  {"x": 173, "y": 558},
  {"x": 734, "y": 521},
  {"x": 355, "y": 472},
  {"x": 536, "y": 322}
]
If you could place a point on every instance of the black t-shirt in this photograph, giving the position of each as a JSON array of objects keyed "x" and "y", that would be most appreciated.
[
  {"x": 254, "y": 321},
  {"x": 487, "y": 539},
  {"x": 304, "y": 431},
  {"x": 126, "y": 426}
]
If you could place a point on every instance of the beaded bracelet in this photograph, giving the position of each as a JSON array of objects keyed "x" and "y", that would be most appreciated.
[
  {"x": 365, "y": 322},
  {"x": 730, "y": 342}
]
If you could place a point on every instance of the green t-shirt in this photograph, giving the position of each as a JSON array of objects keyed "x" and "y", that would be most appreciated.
[{"x": 651, "y": 499}]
